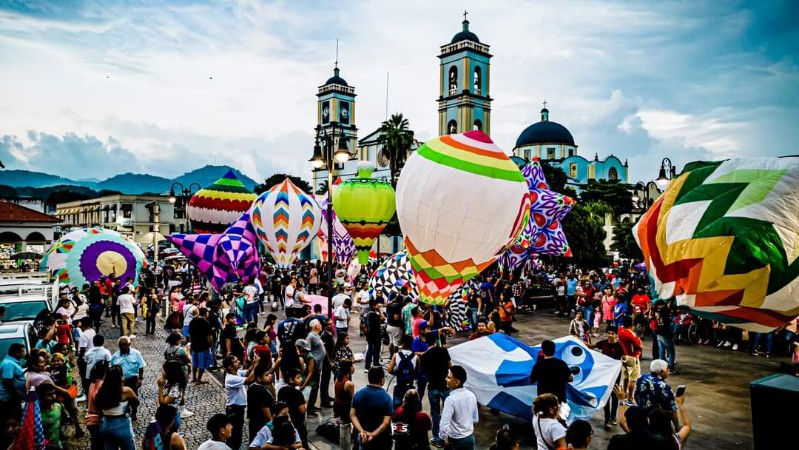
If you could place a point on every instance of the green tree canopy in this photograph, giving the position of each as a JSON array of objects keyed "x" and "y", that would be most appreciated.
[
  {"x": 396, "y": 138},
  {"x": 614, "y": 193},
  {"x": 624, "y": 242},
  {"x": 583, "y": 229},
  {"x": 556, "y": 179},
  {"x": 278, "y": 178}
]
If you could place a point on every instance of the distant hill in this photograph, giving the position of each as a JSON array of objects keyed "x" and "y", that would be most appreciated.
[{"x": 128, "y": 183}]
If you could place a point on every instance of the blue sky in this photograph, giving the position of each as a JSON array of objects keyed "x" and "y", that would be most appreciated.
[{"x": 91, "y": 89}]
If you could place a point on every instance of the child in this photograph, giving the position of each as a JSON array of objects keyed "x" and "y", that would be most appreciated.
[
  {"x": 51, "y": 412},
  {"x": 597, "y": 321},
  {"x": 61, "y": 373}
]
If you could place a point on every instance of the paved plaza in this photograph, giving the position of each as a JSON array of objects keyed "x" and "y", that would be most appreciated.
[{"x": 717, "y": 396}]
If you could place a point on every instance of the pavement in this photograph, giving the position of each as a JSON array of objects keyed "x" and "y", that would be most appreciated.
[{"x": 717, "y": 398}]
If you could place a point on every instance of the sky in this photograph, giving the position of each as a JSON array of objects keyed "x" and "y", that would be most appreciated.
[{"x": 90, "y": 89}]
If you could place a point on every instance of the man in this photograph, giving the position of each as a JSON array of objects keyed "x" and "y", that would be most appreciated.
[
  {"x": 363, "y": 302},
  {"x": 652, "y": 391},
  {"x": 291, "y": 329},
  {"x": 231, "y": 344},
  {"x": 190, "y": 311},
  {"x": 665, "y": 336},
  {"x": 612, "y": 348},
  {"x": 319, "y": 354},
  {"x": 84, "y": 344},
  {"x": 436, "y": 363},
  {"x": 460, "y": 413},
  {"x": 132, "y": 364},
  {"x": 342, "y": 317},
  {"x": 631, "y": 361},
  {"x": 394, "y": 326},
  {"x": 220, "y": 428},
  {"x": 259, "y": 399},
  {"x": 288, "y": 293},
  {"x": 373, "y": 335},
  {"x": 571, "y": 288},
  {"x": 638, "y": 435},
  {"x": 327, "y": 365},
  {"x": 12, "y": 388},
  {"x": 404, "y": 365},
  {"x": 291, "y": 396},
  {"x": 482, "y": 330},
  {"x": 371, "y": 413},
  {"x": 214, "y": 318},
  {"x": 127, "y": 312},
  {"x": 487, "y": 295},
  {"x": 551, "y": 374},
  {"x": 340, "y": 297},
  {"x": 201, "y": 340},
  {"x": 97, "y": 353},
  {"x": 250, "y": 301}
]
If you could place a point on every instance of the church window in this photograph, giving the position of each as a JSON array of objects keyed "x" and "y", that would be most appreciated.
[
  {"x": 613, "y": 174},
  {"x": 571, "y": 152},
  {"x": 452, "y": 127},
  {"x": 551, "y": 153},
  {"x": 478, "y": 125},
  {"x": 453, "y": 80},
  {"x": 527, "y": 154},
  {"x": 573, "y": 170},
  {"x": 478, "y": 79}
]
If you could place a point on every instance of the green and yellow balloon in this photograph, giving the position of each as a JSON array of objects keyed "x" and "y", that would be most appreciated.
[{"x": 364, "y": 206}]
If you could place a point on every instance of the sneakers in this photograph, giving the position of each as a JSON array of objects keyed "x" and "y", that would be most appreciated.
[
  {"x": 728, "y": 344},
  {"x": 607, "y": 425},
  {"x": 82, "y": 398},
  {"x": 185, "y": 414},
  {"x": 614, "y": 422},
  {"x": 132, "y": 336},
  {"x": 734, "y": 347}
]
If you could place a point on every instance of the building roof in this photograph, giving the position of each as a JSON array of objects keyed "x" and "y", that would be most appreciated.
[
  {"x": 545, "y": 132},
  {"x": 465, "y": 34},
  {"x": 336, "y": 79},
  {"x": 11, "y": 212}
]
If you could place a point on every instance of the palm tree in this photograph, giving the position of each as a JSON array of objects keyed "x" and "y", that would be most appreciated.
[
  {"x": 396, "y": 139},
  {"x": 322, "y": 189}
]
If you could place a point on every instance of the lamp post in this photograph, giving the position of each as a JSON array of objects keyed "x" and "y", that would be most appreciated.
[
  {"x": 647, "y": 198},
  {"x": 177, "y": 191},
  {"x": 667, "y": 172},
  {"x": 156, "y": 207},
  {"x": 330, "y": 147}
]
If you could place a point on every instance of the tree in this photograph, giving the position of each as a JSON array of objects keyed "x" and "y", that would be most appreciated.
[
  {"x": 614, "y": 193},
  {"x": 278, "y": 178},
  {"x": 624, "y": 242},
  {"x": 322, "y": 189},
  {"x": 556, "y": 179},
  {"x": 583, "y": 229},
  {"x": 7, "y": 191},
  {"x": 66, "y": 195},
  {"x": 396, "y": 139}
]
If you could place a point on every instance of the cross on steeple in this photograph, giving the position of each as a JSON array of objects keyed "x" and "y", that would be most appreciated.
[
  {"x": 545, "y": 104},
  {"x": 465, "y": 13}
]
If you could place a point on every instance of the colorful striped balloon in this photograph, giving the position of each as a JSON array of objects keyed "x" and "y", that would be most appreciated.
[
  {"x": 214, "y": 208},
  {"x": 286, "y": 220},
  {"x": 460, "y": 202}
]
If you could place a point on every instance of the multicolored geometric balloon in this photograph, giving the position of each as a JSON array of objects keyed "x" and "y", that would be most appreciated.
[
  {"x": 460, "y": 202},
  {"x": 286, "y": 220},
  {"x": 214, "y": 208},
  {"x": 364, "y": 206},
  {"x": 392, "y": 275},
  {"x": 223, "y": 258},
  {"x": 343, "y": 245},
  {"x": 86, "y": 255},
  {"x": 723, "y": 240}
]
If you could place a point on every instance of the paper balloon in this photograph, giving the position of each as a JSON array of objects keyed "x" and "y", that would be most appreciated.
[
  {"x": 286, "y": 220},
  {"x": 723, "y": 240},
  {"x": 214, "y": 208},
  {"x": 460, "y": 202},
  {"x": 364, "y": 206},
  {"x": 343, "y": 245}
]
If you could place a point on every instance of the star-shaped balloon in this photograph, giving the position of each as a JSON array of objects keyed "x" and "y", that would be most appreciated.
[{"x": 223, "y": 258}]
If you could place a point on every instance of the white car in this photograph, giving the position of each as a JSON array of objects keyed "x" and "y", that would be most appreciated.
[{"x": 16, "y": 333}]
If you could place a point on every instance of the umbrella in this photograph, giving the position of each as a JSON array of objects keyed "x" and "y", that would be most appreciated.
[
  {"x": 26, "y": 255},
  {"x": 31, "y": 432}
]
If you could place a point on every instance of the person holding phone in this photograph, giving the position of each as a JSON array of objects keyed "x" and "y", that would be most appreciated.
[
  {"x": 661, "y": 423},
  {"x": 652, "y": 391}
]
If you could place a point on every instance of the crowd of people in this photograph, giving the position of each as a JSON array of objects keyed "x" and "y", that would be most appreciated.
[{"x": 277, "y": 372}]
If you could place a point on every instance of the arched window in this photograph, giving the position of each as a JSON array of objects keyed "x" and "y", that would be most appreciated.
[
  {"x": 613, "y": 174},
  {"x": 478, "y": 125},
  {"x": 453, "y": 80},
  {"x": 452, "y": 127},
  {"x": 573, "y": 170},
  {"x": 478, "y": 80}
]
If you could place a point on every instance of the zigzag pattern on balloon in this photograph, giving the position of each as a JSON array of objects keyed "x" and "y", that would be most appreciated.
[
  {"x": 720, "y": 240},
  {"x": 215, "y": 207}
]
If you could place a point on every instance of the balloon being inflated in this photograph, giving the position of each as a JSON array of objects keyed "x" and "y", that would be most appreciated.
[{"x": 460, "y": 202}]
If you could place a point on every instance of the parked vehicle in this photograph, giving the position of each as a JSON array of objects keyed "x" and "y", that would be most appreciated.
[{"x": 13, "y": 333}]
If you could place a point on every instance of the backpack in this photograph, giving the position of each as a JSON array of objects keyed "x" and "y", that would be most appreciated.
[{"x": 405, "y": 370}]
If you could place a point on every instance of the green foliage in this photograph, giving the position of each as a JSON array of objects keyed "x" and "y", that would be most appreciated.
[
  {"x": 624, "y": 243},
  {"x": 68, "y": 195},
  {"x": 278, "y": 178},
  {"x": 583, "y": 229},
  {"x": 612, "y": 192},
  {"x": 322, "y": 189},
  {"x": 7, "y": 191},
  {"x": 396, "y": 139},
  {"x": 105, "y": 192}
]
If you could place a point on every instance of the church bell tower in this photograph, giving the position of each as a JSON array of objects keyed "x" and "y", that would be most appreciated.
[{"x": 464, "y": 102}]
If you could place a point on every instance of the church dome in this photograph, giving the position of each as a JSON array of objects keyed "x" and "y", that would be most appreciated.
[
  {"x": 545, "y": 132},
  {"x": 465, "y": 34},
  {"x": 336, "y": 79}
]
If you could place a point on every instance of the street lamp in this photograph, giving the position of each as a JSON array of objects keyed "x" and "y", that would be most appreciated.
[
  {"x": 647, "y": 189},
  {"x": 667, "y": 172},
  {"x": 178, "y": 192},
  {"x": 324, "y": 158}
]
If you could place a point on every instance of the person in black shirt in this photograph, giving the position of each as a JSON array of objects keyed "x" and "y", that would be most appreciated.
[
  {"x": 216, "y": 325},
  {"x": 551, "y": 374},
  {"x": 436, "y": 363},
  {"x": 327, "y": 364},
  {"x": 291, "y": 396},
  {"x": 201, "y": 340},
  {"x": 231, "y": 344},
  {"x": 259, "y": 399},
  {"x": 395, "y": 325},
  {"x": 373, "y": 335}
]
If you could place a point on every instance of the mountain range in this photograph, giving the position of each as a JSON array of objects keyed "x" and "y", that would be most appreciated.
[{"x": 127, "y": 183}]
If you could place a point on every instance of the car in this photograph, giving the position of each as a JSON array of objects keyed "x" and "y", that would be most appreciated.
[
  {"x": 24, "y": 308},
  {"x": 16, "y": 333}
]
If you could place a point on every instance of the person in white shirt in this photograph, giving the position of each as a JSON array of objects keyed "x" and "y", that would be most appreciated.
[
  {"x": 339, "y": 298},
  {"x": 250, "y": 301},
  {"x": 549, "y": 431},
  {"x": 236, "y": 395},
  {"x": 190, "y": 311},
  {"x": 220, "y": 428},
  {"x": 342, "y": 316},
  {"x": 127, "y": 312},
  {"x": 460, "y": 413},
  {"x": 97, "y": 353},
  {"x": 288, "y": 296}
]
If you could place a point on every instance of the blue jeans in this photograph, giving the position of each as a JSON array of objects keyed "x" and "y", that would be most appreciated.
[
  {"x": 467, "y": 443},
  {"x": 769, "y": 337},
  {"x": 666, "y": 344},
  {"x": 474, "y": 313},
  {"x": 436, "y": 397},
  {"x": 372, "y": 357},
  {"x": 588, "y": 315},
  {"x": 251, "y": 312},
  {"x": 421, "y": 384},
  {"x": 117, "y": 433}
]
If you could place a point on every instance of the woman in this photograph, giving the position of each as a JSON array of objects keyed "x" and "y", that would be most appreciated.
[
  {"x": 288, "y": 359},
  {"x": 153, "y": 304},
  {"x": 175, "y": 351},
  {"x": 341, "y": 352},
  {"x": 550, "y": 433},
  {"x": 65, "y": 309},
  {"x": 113, "y": 399},
  {"x": 269, "y": 328},
  {"x": 415, "y": 423},
  {"x": 505, "y": 307},
  {"x": 344, "y": 390},
  {"x": 504, "y": 440},
  {"x": 172, "y": 387},
  {"x": 167, "y": 418},
  {"x": 93, "y": 414},
  {"x": 608, "y": 303},
  {"x": 660, "y": 423}
]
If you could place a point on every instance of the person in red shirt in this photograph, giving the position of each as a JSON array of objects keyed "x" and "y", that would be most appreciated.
[
  {"x": 411, "y": 424},
  {"x": 631, "y": 361},
  {"x": 482, "y": 330}
]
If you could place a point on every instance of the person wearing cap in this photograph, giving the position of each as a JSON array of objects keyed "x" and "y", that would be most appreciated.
[{"x": 221, "y": 428}]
